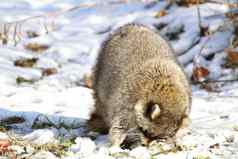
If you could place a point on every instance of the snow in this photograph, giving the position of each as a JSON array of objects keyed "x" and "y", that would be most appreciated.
[
  {"x": 40, "y": 136},
  {"x": 74, "y": 39},
  {"x": 44, "y": 154}
]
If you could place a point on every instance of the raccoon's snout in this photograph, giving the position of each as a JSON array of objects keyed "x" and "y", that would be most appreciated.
[{"x": 153, "y": 111}]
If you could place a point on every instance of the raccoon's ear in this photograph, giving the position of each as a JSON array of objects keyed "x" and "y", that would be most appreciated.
[
  {"x": 147, "y": 111},
  {"x": 154, "y": 111}
]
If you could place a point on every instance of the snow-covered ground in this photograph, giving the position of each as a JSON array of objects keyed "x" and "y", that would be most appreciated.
[{"x": 42, "y": 108}]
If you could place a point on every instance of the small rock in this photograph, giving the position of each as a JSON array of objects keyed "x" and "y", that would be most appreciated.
[{"x": 49, "y": 71}]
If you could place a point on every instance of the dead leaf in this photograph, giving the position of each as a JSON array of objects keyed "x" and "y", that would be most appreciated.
[
  {"x": 161, "y": 13},
  {"x": 87, "y": 79},
  {"x": 190, "y": 2},
  {"x": 32, "y": 34},
  {"x": 49, "y": 71},
  {"x": 35, "y": 47},
  {"x": 232, "y": 56},
  {"x": 230, "y": 139},
  {"x": 204, "y": 31},
  {"x": 13, "y": 120},
  {"x": 5, "y": 149},
  {"x": 235, "y": 39},
  {"x": 25, "y": 62},
  {"x": 215, "y": 146},
  {"x": 20, "y": 80},
  {"x": 235, "y": 127},
  {"x": 199, "y": 73},
  {"x": 4, "y": 145},
  {"x": 160, "y": 26},
  {"x": 224, "y": 117},
  {"x": 4, "y": 128},
  {"x": 4, "y": 39}
]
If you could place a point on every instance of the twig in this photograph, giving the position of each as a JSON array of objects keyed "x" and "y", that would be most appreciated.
[
  {"x": 199, "y": 17},
  {"x": 215, "y": 81},
  {"x": 46, "y": 28},
  {"x": 15, "y": 35},
  {"x": 200, "y": 31},
  {"x": 195, "y": 63},
  {"x": 6, "y": 28},
  {"x": 216, "y": 1}
]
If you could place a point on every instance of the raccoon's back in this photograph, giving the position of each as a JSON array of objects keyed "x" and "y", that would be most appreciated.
[{"x": 123, "y": 53}]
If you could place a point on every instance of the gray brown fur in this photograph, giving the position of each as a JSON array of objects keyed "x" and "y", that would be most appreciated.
[{"x": 137, "y": 69}]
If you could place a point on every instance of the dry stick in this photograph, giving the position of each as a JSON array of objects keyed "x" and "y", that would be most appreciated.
[
  {"x": 195, "y": 63},
  {"x": 216, "y": 1},
  {"x": 19, "y": 33},
  {"x": 15, "y": 34},
  {"x": 6, "y": 29},
  {"x": 200, "y": 30},
  {"x": 199, "y": 17},
  {"x": 219, "y": 2},
  {"x": 215, "y": 81},
  {"x": 46, "y": 28}
]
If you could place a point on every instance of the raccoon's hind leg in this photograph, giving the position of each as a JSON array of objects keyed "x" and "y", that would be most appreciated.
[{"x": 96, "y": 122}]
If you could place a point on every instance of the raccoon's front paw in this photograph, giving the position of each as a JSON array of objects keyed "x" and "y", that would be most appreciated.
[
  {"x": 184, "y": 128},
  {"x": 117, "y": 136},
  {"x": 134, "y": 139}
]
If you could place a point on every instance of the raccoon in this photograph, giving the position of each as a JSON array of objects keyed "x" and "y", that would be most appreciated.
[{"x": 141, "y": 91}]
